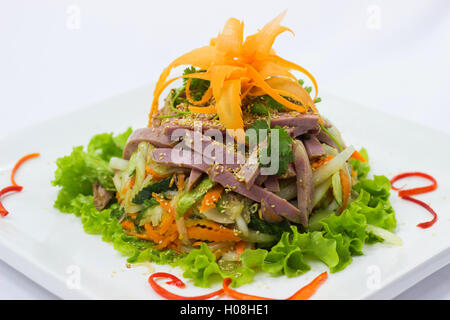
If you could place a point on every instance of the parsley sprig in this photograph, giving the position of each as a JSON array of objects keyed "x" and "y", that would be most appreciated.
[
  {"x": 284, "y": 144},
  {"x": 309, "y": 89},
  {"x": 263, "y": 104},
  {"x": 197, "y": 87}
]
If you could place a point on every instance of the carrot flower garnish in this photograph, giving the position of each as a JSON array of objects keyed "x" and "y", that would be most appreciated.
[{"x": 236, "y": 68}]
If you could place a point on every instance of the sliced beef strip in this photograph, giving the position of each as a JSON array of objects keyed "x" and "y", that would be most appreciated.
[
  {"x": 151, "y": 134},
  {"x": 194, "y": 177},
  {"x": 260, "y": 180},
  {"x": 290, "y": 172},
  {"x": 298, "y": 125},
  {"x": 227, "y": 179},
  {"x": 323, "y": 137},
  {"x": 313, "y": 147},
  {"x": 250, "y": 170},
  {"x": 215, "y": 151},
  {"x": 305, "y": 186},
  {"x": 272, "y": 184}
]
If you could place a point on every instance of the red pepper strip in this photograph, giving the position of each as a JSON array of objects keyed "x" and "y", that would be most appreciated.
[
  {"x": 3, "y": 211},
  {"x": 180, "y": 284},
  {"x": 423, "y": 225},
  {"x": 308, "y": 290},
  {"x": 302, "y": 294},
  {"x": 413, "y": 191},
  {"x": 19, "y": 163},
  {"x": 239, "y": 295}
]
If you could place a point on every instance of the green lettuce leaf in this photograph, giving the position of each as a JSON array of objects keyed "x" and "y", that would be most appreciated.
[
  {"x": 334, "y": 240},
  {"x": 200, "y": 265},
  {"x": 76, "y": 172},
  {"x": 348, "y": 232},
  {"x": 373, "y": 202},
  {"x": 316, "y": 245},
  {"x": 105, "y": 223},
  {"x": 362, "y": 168},
  {"x": 286, "y": 257},
  {"x": 106, "y": 145},
  {"x": 341, "y": 237}
]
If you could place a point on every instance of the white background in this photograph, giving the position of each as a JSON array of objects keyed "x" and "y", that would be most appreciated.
[{"x": 57, "y": 56}]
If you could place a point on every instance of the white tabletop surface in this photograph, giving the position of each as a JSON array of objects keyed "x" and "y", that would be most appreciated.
[{"x": 57, "y": 56}]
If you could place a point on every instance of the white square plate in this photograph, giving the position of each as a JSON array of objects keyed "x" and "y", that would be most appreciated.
[{"x": 52, "y": 249}]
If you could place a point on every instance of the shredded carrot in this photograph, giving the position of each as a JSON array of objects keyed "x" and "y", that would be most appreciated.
[
  {"x": 142, "y": 236},
  {"x": 320, "y": 162},
  {"x": 203, "y": 223},
  {"x": 152, "y": 234},
  {"x": 133, "y": 215},
  {"x": 167, "y": 233},
  {"x": 155, "y": 176},
  {"x": 358, "y": 156},
  {"x": 129, "y": 185},
  {"x": 235, "y": 66},
  {"x": 354, "y": 175},
  {"x": 211, "y": 197},
  {"x": 175, "y": 245},
  {"x": 166, "y": 241},
  {"x": 181, "y": 181},
  {"x": 345, "y": 182},
  {"x": 240, "y": 247},
  {"x": 221, "y": 235},
  {"x": 165, "y": 204},
  {"x": 127, "y": 225},
  {"x": 132, "y": 182},
  {"x": 166, "y": 221}
]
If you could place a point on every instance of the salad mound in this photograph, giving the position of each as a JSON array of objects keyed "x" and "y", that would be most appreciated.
[{"x": 237, "y": 173}]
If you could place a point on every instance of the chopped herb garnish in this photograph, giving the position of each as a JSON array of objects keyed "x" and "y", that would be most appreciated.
[
  {"x": 309, "y": 89},
  {"x": 263, "y": 104},
  {"x": 157, "y": 187},
  {"x": 284, "y": 145},
  {"x": 197, "y": 87},
  {"x": 116, "y": 212}
]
